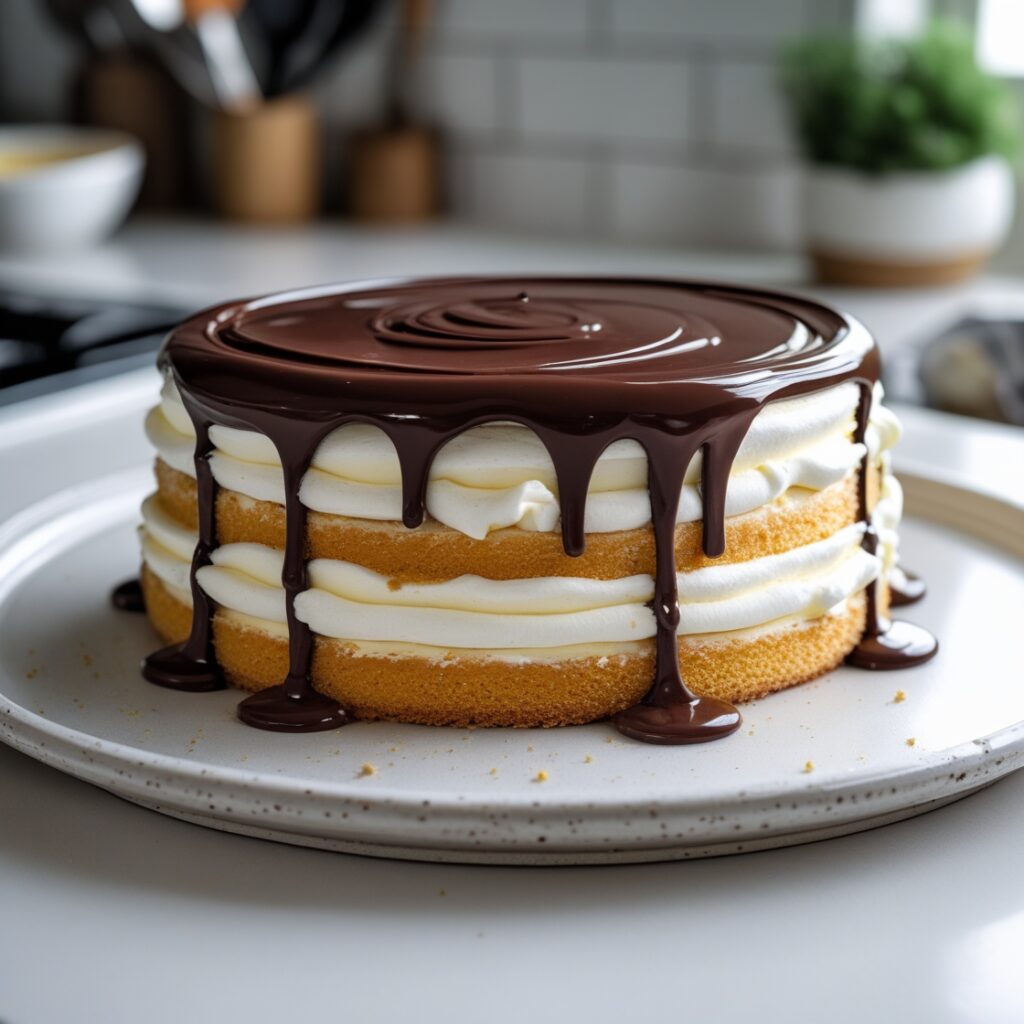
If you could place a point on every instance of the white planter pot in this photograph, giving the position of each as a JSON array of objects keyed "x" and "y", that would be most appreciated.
[{"x": 909, "y": 227}]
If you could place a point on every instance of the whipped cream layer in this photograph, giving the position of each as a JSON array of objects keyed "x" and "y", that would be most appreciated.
[
  {"x": 350, "y": 602},
  {"x": 500, "y": 475}
]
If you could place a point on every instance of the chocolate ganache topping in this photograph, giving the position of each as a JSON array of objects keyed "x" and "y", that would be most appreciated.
[{"x": 680, "y": 367}]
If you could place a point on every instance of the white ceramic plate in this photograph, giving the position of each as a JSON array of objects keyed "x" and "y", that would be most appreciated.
[{"x": 71, "y": 696}]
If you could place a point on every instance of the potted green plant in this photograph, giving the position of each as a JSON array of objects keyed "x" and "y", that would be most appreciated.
[{"x": 908, "y": 146}]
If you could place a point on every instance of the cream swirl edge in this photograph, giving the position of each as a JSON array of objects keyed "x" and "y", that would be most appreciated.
[
  {"x": 500, "y": 475},
  {"x": 352, "y": 603}
]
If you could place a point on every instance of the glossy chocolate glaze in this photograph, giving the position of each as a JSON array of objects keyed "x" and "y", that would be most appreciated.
[
  {"x": 883, "y": 644},
  {"x": 913, "y": 591},
  {"x": 679, "y": 367},
  {"x": 127, "y": 597},
  {"x": 894, "y": 645},
  {"x": 192, "y": 665}
]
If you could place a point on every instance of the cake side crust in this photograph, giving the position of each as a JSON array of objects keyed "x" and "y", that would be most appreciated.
[
  {"x": 470, "y": 690},
  {"x": 433, "y": 553}
]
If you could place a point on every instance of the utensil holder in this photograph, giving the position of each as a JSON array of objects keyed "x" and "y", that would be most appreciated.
[
  {"x": 267, "y": 162},
  {"x": 394, "y": 175}
]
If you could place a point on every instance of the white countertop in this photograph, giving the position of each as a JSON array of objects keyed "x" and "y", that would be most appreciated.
[{"x": 112, "y": 913}]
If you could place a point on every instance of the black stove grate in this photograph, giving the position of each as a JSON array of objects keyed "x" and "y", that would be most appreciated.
[{"x": 48, "y": 342}]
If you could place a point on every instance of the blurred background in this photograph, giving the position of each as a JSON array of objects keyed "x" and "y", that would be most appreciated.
[{"x": 866, "y": 149}]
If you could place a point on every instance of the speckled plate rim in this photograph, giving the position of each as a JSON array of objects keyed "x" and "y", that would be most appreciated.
[
  {"x": 390, "y": 824},
  {"x": 564, "y": 858}
]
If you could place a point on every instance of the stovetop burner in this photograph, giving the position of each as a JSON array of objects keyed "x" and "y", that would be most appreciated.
[{"x": 50, "y": 342}]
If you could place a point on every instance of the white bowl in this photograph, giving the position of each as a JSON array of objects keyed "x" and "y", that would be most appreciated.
[{"x": 78, "y": 193}]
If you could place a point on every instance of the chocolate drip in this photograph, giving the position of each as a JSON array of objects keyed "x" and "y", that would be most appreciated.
[
  {"x": 678, "y": 367},
  {"x": 192, "y": 665},
  {"x": 884, "y": 644},
  {"x": 416, "y": 450},
  {"x": 294, "y": 706},
  {"x": 128, "y": 597},
  {"x": 912, "y": 592},
  {"x": 898, "y": 645},
  {"x": 672, "y": 713},
  {"x": 574, "y": 457},
  {"x": 719, "y": 454}
]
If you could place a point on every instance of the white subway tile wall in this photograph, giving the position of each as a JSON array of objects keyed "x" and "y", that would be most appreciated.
[
  {"x": 747, "y": 113},
  {"x": 591, "y": 99},
  {"x": 507, "y": 19},
  {"x": 714, "y": 206},
  {"x": 530, "y": 192},
  {"x": 654, "y": 120},
  {"x": 460, "y": 92},
  {"x": 709, "y": 20}
]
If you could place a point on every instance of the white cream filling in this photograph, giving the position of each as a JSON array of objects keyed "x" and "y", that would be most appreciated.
[
  {"x": 353, "y": 603},
  {"x": 885, "y": 518},
  {"x": 500, "y": 475}
]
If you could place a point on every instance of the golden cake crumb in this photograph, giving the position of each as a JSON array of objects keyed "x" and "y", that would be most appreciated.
[
  {"x": 367, "y": 769},
  {"x": 534, "y": 705},
  {"x": 468, "y": 690},
  {"x": 911, "y": 741},
  {"x": 808, "y": 767},
  {"x": 541, "y": 776},
  {"x": 899, "y": 698},
  {"x": 494, "y": 771},
  {"x": 588, "y": 760}
]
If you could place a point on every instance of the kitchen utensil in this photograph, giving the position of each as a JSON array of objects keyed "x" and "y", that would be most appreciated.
[
  {"x": 278, "y": 24},
  {"x": 400, "y": 79},
  {"x": 393, "y": 175},
  {"x": 266, "y": 161},
  {"x": 394, "y": 172},
  {"x": 65, "y": 186},
  {"x": 166, "y": 26},
  {"x": 148, "y": 27},
  {"x": 331, "y": 25},
  {"x": 231, "y": 72}
]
